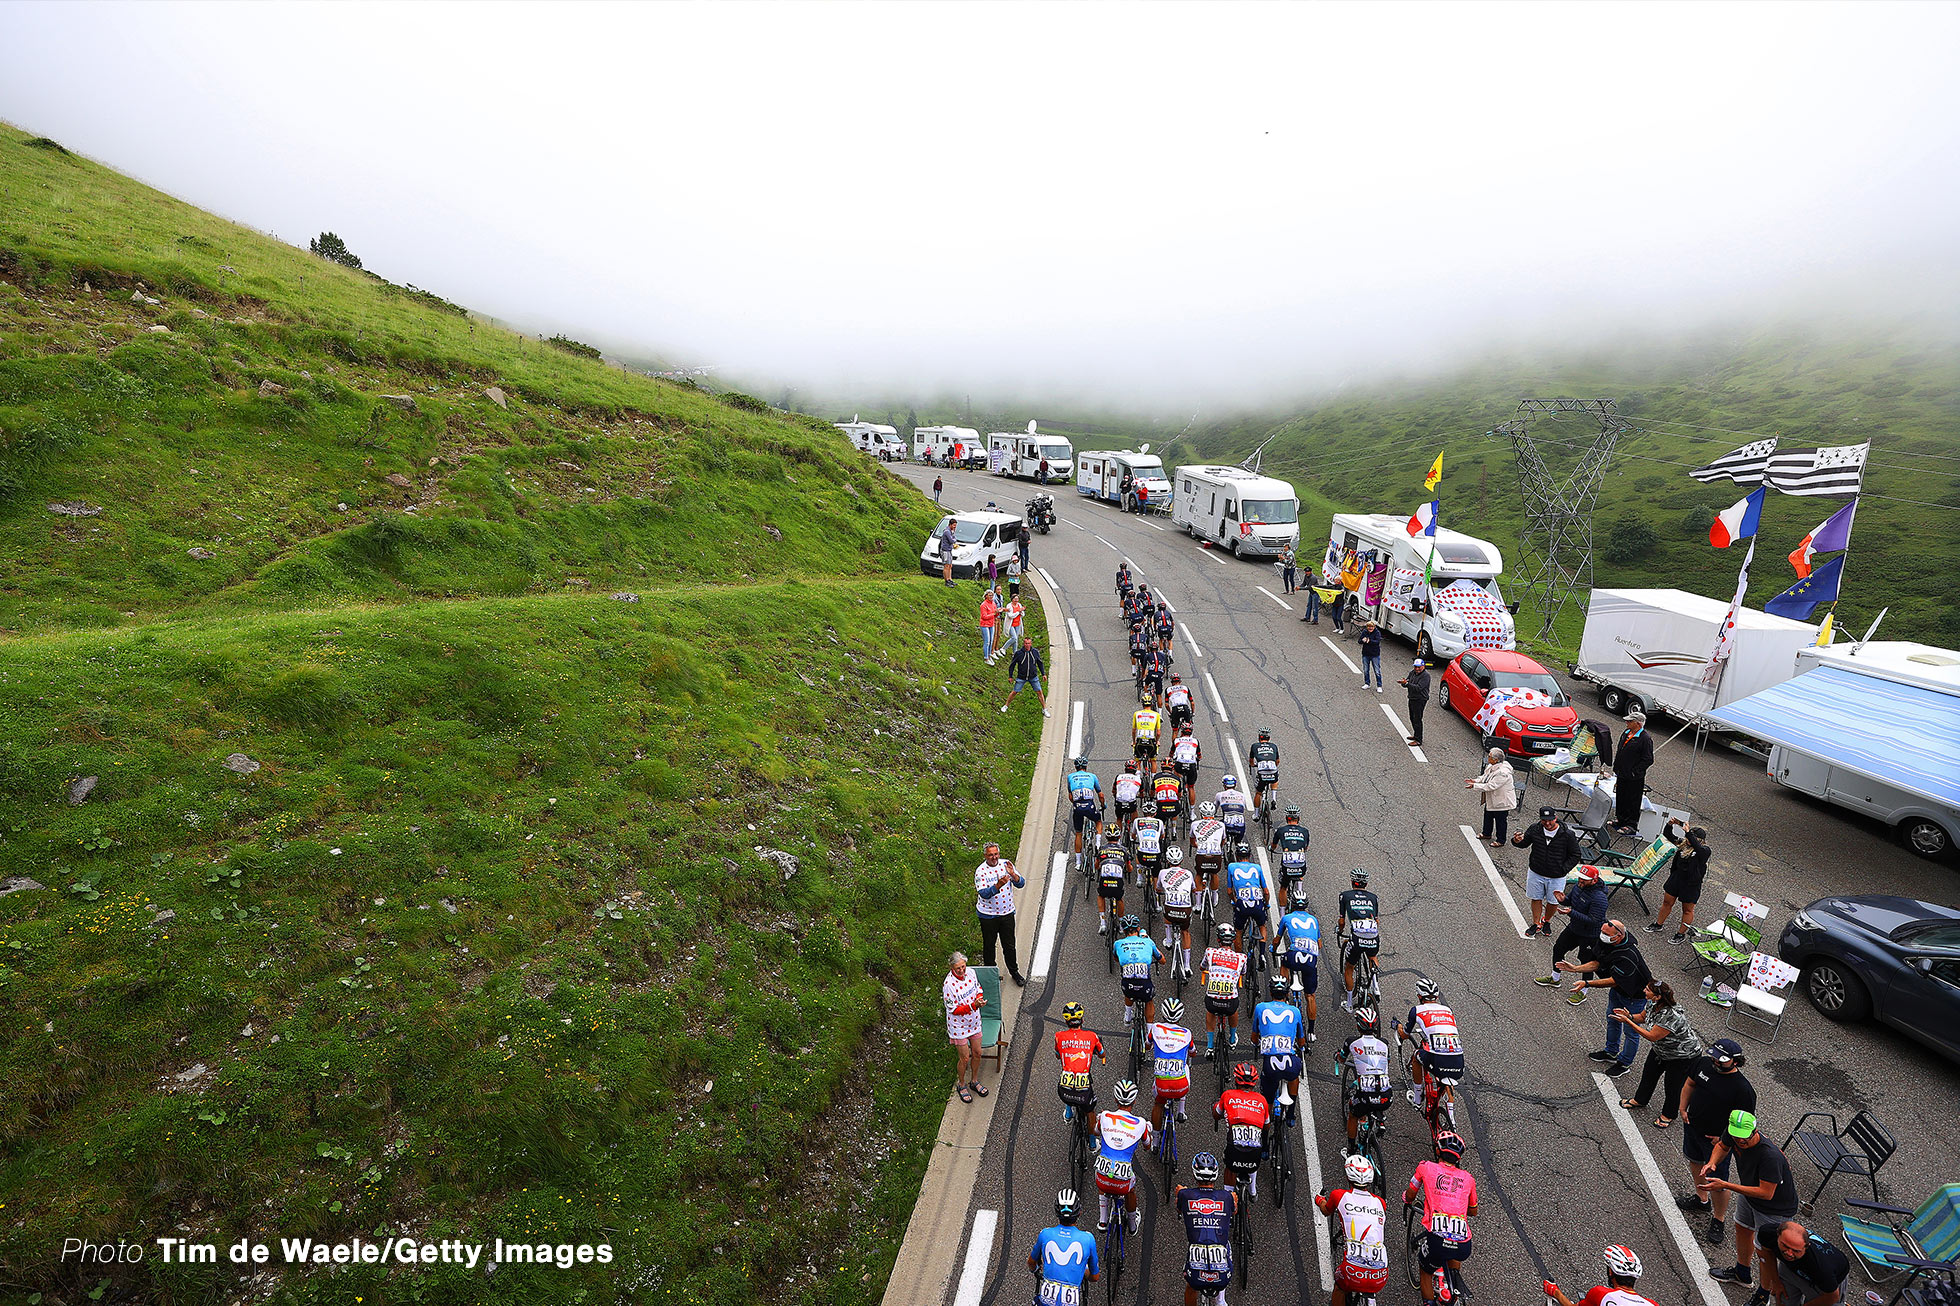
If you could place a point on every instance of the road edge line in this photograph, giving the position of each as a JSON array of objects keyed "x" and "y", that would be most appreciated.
[
  {"x": 1336, "y": 649},
  {"x": 1694, "y": 1261},
  {"x": 1496, "y": 880},
  {"x": 979, "y": 1254}
]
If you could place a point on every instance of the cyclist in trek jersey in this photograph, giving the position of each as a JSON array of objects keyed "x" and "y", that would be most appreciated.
[
  {"x": 1439, "y": 1046},
  {"x": 1077, "y": 1047},
  {"x": 1248, "y": 886},
  {"x": 1185, "y": 756},
  {"x": 1223, "y": 972},
  {"x": 1276, "y": 1024},
  {"x": 1449, "y": 1199},
  {"x": 1262, "y": 764},
  {"x": 1064, "y": 1257},
  {"x": 1177, "y": 890},
  {"x": 1112, "y": 873},
  {"x": 1371, "y": 1089},
  {"x": 1245, "y": 1111},
  {"x": 1085, "y": 797},
  {"x": 1127, "y": 788},
  {"x": 1290, "y": 842},
  {"x": 1168, "y": 1045},
  {"x": 1148, "y": 836},
  {"x": 1231, "y": 807},
  {"x": 1118, "y": 1134},
  {"x": 1360, "y": 1233},
  {"x": 1208, "y": 835},
  {"x": 1299, "y": 952},
  {"x": 1167, "y": 789},
  {"x": 1145, "y": 726},
  {"x": 1177, "y": 702},
  {"x": 1359, "y": 930},
  {"x": 1622, "y": 1272},
  {"x": 1207, "y": 1211},
  {"x": 1136, "y": 958}
]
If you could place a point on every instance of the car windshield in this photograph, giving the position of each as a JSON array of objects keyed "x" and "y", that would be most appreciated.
[
  {"x": 965, "y": 529},
  {"x": 1055, "y": 453},
  {"x": 1544, "y": 684},
  {"x": 1269, "y": 512},
  {"x": 1939, "y": 936}
]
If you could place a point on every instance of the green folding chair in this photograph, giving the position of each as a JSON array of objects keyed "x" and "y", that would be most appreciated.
[
  {"x": 991, "y": 1042},
  {"x": 1619, "y": 870},
  {"x": 1926, "y": 1244},
  {"x": 1724, "y": 949}
]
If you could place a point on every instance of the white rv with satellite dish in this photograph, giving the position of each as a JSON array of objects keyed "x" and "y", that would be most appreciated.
[
  {"x": 946, "y": 445},
  {"x": 1239, "y": 510},
  {"x": 1023, "y": 455},
  {"x": 1440, "y": 591},
  {"x": 880, "y": 441}
]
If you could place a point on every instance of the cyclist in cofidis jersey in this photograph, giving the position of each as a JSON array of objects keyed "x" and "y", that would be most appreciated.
[
  {"x": 1177, "y": 890},
  {"x": 1208, "y": 835},
  {"x": 1207, "y": 1210},
  {"x": 1360, "y": 1233},
  {"x": 1245, "y": 1111},
  {"x": 1168, "y": 1045},
  {"x": 1231, "y": 807},
  {"x": 1064, "y": 1257},
  {"x": 1223, "y": 971},
  {"x": 1371, "y": 1060},
  {"x": 1127, "y": 789},
  {"x": 1262, "y": 764},
  {"x": 1622, "y": 1272},
  {"x": 1118, "y": 1135},
  {"x": 1178, "y": 702},
  {"x": 1299, "y": 952},
  {"x": 1247, "y": 883},
  {"x": 1439, "y": 1046},
  {"x": 1359, "y": 914},
  {"x": 1136, "y": 959},
  {"x": 1290, "y": 842},
  {"x": 1085, "y": 797},
  {"x": 1077, "y": 1047},
  {"x": 1112, "y": 874},
  {"x": 1276, "y": 1024},
  {"x": 1449, "y": 1200}
]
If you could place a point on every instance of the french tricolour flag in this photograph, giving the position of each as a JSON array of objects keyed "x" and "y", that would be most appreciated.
[
  {"x": 1424, "y": 522},
  {"x": 1738, "y": 521}
]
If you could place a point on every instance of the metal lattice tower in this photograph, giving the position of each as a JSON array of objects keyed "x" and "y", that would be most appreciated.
[{"x": 1557, "y": 544}]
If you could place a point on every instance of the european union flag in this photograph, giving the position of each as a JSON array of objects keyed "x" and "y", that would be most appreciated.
[{"x": 1802, "y": 598}]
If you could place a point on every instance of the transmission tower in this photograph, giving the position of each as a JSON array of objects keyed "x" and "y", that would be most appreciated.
[{"x": 1557, "y": 544}]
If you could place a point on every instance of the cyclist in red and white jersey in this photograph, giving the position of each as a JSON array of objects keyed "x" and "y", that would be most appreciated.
[
  {"x": 1177, "y": 891},
  {"x": 1439, "y": 1045},
  {"x": 1449, "y": 1199},
  {"x": 1168, "y": 1044},
  {"x": 1360, "y": 1233},
  {"x": 1622, "y": 1272},
  {"x": 1245, "y": 1112},
  {"x": 1126, "y": 789},
  {"x": 1223, "y": 973}
]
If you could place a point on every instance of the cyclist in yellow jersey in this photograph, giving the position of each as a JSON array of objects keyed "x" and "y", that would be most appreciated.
[{"x": 1145, "y": 728}]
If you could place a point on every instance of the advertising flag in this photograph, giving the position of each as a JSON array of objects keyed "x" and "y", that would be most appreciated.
[
  {"x": 1725, "y": 640},
  {"x": 1738, "y": 521}
]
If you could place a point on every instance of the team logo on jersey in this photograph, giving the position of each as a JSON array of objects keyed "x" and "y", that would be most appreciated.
[{"x": 1069, "y": 1255}]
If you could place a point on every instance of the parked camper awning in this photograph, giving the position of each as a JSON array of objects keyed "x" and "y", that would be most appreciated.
[{"x": 1902, "y": 735}]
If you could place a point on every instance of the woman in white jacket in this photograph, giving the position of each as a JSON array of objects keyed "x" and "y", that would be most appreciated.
[{"x": 1499, "y": 785}]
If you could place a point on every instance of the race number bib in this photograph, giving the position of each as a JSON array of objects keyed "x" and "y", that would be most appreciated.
[
  {"x": 1366, "y": 1256},
  {"x": 1450, "y": 1228},
  {"x": 1247, "y": 1136},
  {"x": 1059, "y": 1294},
  {"x": 1222, "y": 984},
  {"x": 1136, "y": 970},
  {"x": 1251, "y": 895},
  {"x": 1445, "y": 1044},
  {"x": 1150, "y": 841},
  {"x": 1210, "y": 1256},
  {"x": 1121, "y": 1172},
  {"x": 1172, "y": 1068},
  {"x": 1075, "y": 1081},
  {"x": 1276, "y": 1045},
  {"x": 1365, "y": 929}
]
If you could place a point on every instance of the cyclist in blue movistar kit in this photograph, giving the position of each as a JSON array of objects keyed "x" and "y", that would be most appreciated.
[
  {"x": 1247, "y": 884},
  {"x": 1136, "y": 956},
  {"x": 1064, "y": 1257},
  {"x": 1085, "y": 798},
  {"x": 1207, "y": 1211},
  {"x": 1299, "y": 950},
  {"x": 1277, "y": 1026}
]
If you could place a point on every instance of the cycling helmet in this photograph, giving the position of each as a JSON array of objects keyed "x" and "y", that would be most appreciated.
[
  {"x": 1130, "y": 765},
  {"x": 1230, "y": 782},
  {"x": 1358, "y": 878},
  {"x": 1072, "y": 1015},
  {"x": 1204, "y": 1168},
  {"x": 1125, "y": 1092},
  {"x": 1150, "y": 700},
  {"x": 1621, "y": 1263},
  {"x": 1280, "y": 985},
  {"x": 1265, "y": 736},
  {"x": 1130, "y": 922},
  {"x": 1448, "y": 1144},
  {"x": 1360, "y": 1171},
  {"x": 1226, "y": 933},
  {"x": 1187, "y": 727},
  {"x": 1177, "y": 680},
  {"x": 1174, "y": 855},
  {"x": 1245, "y": 1075},
  {"x": 1367, "y": 1020},
  {"x": 1065, "y": 1204},
  {"x": 1170, "y": 1011},
  {"x": 1427, "y": 990},
  {"x": 1082, "y": 764},
  {"x": 1292, "y": 813},
  {"x": 1297, "y": 900},
  {"x": 1242, "y": 850},
  {"x": 1112, "y": 832},
  {"x": 1208, "y": 809}
]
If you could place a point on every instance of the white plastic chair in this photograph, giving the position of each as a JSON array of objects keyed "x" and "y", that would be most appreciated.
[{"x": 1757, "y": 997}]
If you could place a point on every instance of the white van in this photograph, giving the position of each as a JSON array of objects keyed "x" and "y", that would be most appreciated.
[
  {"x": 1459, "y": 608},
  {"x": 1023, "y": 455},
  {"x": 1133, "y": 478},
  {"x": 976, "y": 536},
  {"x": 938, "y": 444},
  {"x": 880, "y": 441},
  {"x": 1249, "y": 514}
]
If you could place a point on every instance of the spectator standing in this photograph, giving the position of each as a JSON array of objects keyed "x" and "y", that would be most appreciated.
[
  {"x": 946, "y": 543},
  {"x": 1043, "y": 478},
  {"x": 1417, "y": 683},
  {"x": 1371, "y": 655},
  {"x": 1554, "y": 852},
  {"x": 1799, "y": 1267},
  {"x": 1765, "y": 1190},
  {"x": 1013, "y": 577},
  {"x": 1027, "y": 672},
  {"x": 1630, "y": 762},
  {"x": 1016, "y": 615},
  {"x": 1499, "y": 787},
  {"x": 1715, "y": 1089},
  {"x": 1683, "y": 885},
  {"x": 963, "y": 1000},
  {"x": 989, "y": 614},
  {"x": 994, "y": 883},
  {"x": 938, "y": 487},
  {"x": 1676, "y": 1048},
  {"x": 1024, "y": 539},
  {"x": 1585, "y": 903},
  {"x": 1312, "y": 590},
  {"x": 1622, "y": 969},
  {"x": 1287, "y": 570}
]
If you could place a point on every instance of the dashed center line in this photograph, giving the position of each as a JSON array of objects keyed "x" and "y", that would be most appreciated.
[
  {"x": 1403, "y": 730},
  {"x": 1212, "y": 554},
  {"x": 1076, "y": 720},
  {"x": 1336, "y": 649},
  {"x": 1196, "y": 652},
  {"x": 1105, "y": 542},
  {"x": 1274, "y": 597},
  {"x": 1496, "y": 880},
  {"x": 1217, "y": 700},
  {"x": 979, "y": 1251},
  {"x": 1075, "y": 635}
]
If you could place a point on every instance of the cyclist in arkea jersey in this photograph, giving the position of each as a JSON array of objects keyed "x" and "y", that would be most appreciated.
[
  {"x": 1247, "y": 883},
  {"x": 1208, "y": 1211},
  {"x": 1439, "y": 1046},
  {"x": 1177, "y": 891},
  {"x": 1145, "y": 726},
  {"x": 1128, "y": 787},
  {"x": 1276, "y": 1024},
  {"x": 1064, "y": 1257},
  {"x": 1231, "y": 807},
  {"x": 1290, "y": 842},
  {"x": 1077, "y": 1047},
  {"x": 1177, "y": 702},
  {"x": 1112, "y": 874},
  {"x": 1136, "y": 958},
  {"x": 1262, "y": 764},
  {"x": 1085, "y": 797},
  {"x": 1185, "y": 756},
  {"x": 1449, "y": 1199},
  {"x": 1359, "y": 930},
  {"x": 1223, "y": 972},
  {"x": 1360, "y": 1233},
  {"x": 1299, "y": 952},
  {"x": 1371, "y": 1088},
  {"x": 1245, "y": 1112},
  {"x": 1168, "y": 1046},
  {"x": 1148, "y": 836},
  {"x": 1118, "y": 1134},
  {"x": 1208, "y": 836},
  {"x": 1622, "y": 1272}
]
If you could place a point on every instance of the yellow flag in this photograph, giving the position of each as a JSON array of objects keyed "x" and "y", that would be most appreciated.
[
  {"x": 1824, "y": 631},
  {"x": 1435, "y": 474}
]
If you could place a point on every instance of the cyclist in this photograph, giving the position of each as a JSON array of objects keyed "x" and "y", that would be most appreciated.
[
  {"x": 1622, "y": 1272},
  {"x": 1298, "y": 941},
  {"x": 1439, "y": 1047},
  {"x": 1208, "y": 1210},
  {"x": 1169, "y": 1046},
  {"x": 1359, "y": 929},
  {"x": 1360, "y": 1232},
  {"x": 1112, "y": 872},
  {"x": 1064, "y": 1257},
  {"x": 1262, "y": 764},
  {"x": 1231, "y": 807},
  {"x": 1139, "y": 650},
  {"x": 1177, "y": 701},
  {"x": 1185, "y": 756},
  {"x": 1085, "y": 798},
  {"x": 1167, "y": 788},
  {"x": 1123, "y": 583},
  {"x": 1449, "y": 1199},
  {"x": 1118, "y": 1133},
  {"x": 1145, "y": 726},
  {"x": 1166, "y": 626},
  {"x": 1136, "y": 957},
  {"x": 1370, "y": 1060},
  {"x": 1156, "y": 670},
  {"x": 1276, "y": 1024},
  {"x": 1147, "y": 835},
  {"x": 1208, "y": 848},
  {"x": 1076, "y": 1047},
  {"x": 1224, "y": 972},
  {"x": 1290, "y": 842},
  {"x": 1245, "y": 1113},
  {"x": 1248, "y": 885},
  {"x": 1126, "y": 789},
  {"x": 1177, "y": 891}
]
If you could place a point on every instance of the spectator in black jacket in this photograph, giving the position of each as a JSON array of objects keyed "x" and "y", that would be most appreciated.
[
  {"x": 1630, "y": 762},
  {"x": 1585, "y": 903},
  {"x": 1715, "y": 1089},
  {"x": 1417, "y": 683},
  {"x": 1800, "y": 1267},
  {"x": 1621, "y": 968},
  {"x": 1027, "y": 667},
  {"x": 1683, "y": 885},
  {"x": 1371, "y": 656},
  {"x": 1554, "y": 852}
]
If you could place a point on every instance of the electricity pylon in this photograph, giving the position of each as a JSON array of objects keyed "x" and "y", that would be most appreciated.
[{"x": 1557, "y": 544}]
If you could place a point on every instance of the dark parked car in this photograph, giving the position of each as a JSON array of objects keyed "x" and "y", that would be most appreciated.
[{"x": 1875, "y": 955}]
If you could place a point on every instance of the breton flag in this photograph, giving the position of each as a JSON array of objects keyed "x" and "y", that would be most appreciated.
[
  {"x": 1435, "y": 474},
  {"x": 1744, "y": 466},
  {"x": 1834, "y": 536},
  {"x": 1424, "y": 522},
  {"x": 1837, "y": 470},
  {"x": 1738, "y": 521},
  {"x": 1802, "y": 598}
]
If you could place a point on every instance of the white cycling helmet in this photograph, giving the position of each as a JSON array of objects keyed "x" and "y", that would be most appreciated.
[
  {"x": 1125, "y": 1092},
  {"x": 1360, "y": 1171},
  {"x": 1174, "y": 855},
  {"x": 1622, "y": 1263},
  {"x": 1208, "y": 809}
]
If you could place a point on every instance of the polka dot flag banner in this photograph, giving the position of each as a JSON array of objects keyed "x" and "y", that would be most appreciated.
[
  {"x": 1499, "y": 699},
  {"x": 1477, "y": 606},
  {"x": 1767, "y": 972}
]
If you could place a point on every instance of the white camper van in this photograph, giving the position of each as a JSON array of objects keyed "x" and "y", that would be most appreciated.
[
  {"x": 1650, "y": 649},
  {"x": 880, "y": 441},
  {"x": 1249, "y": 514},
  {"x": 945, "y": 444},
  {"x": 1133, "y": 478},
  {"x": 1460, "y": 607},
  {"x": 1023, "y": 454},
  {"x": 977, "y": 536}
]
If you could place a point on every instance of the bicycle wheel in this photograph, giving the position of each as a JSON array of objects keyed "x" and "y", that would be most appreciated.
[
  {"x": 1282, "y": 1163},
  {"x": 1136, "y": 1048},
  {"x": 1412, "y": 1239},
  {"x": 1114, "y": 1247},
  {"x": 1369, "y": 1140},
  {"x": 1242, "y": 1233},
  {"x": 1167, "y": 1145},
  {"x": 1220, "y": 1058}
]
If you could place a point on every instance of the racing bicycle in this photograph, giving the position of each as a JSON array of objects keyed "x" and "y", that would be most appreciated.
[
  {"x": 1368, "y": 1133},
  {"x": 1279, "y": 1147},
  {"x": 1449, "y": 1283},
  {"x": 1081, "y": 1146},
  {"x": 1116, "y": 1244},
  {"x": 1137, "y": 1041},
  {"x": 1242, "y": 1236},
  {"x": 1167, "y": 1143}
]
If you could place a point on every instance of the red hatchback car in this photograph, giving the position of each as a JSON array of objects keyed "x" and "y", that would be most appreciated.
[{"x": 1519, "y": 731}]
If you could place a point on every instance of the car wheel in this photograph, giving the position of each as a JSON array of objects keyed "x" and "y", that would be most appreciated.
[
  {"x": 1836, "y": 992},
  {"x": 1927, "y": 838},
  {"x": 1443, "y": 696},
  {"x": 1613, "y": 699},
  {"x": 1423, "y": 646}
]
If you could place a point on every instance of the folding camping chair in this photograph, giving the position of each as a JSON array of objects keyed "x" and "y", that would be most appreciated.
[
  {"x": 1757, "y": 998},
  {"x": 1862, "y": 1147},
  {"x": 1724, "y": 948},
  {"x": 992, "y": 1044},
  {"x": 1619, "y": 870},
  {"x": 1927, "y": 1243},
  {"x": 1589, "y": 823},
  {"x": 1583, "y": 753}
]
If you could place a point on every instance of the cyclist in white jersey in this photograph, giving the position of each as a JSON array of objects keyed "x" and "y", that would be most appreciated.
[
  {"x": 1126, "y": 789},
  {"x": 1147, "y": 837},
  {"x": 1208, "y": 836},
  {"x": 1232, "y": 807},
  {"x": 1185, "y": 756},
  {"x": 1177, "y": 891},
  {"x": 1622, "y": 1272}
]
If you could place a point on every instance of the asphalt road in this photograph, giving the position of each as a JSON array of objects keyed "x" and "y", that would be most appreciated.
[{"x": 1561, "y": 1169}]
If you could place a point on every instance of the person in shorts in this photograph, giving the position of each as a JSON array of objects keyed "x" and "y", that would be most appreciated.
[
  {"x": 1715, "y": 1088},
  {"x": 1766, "y": 1191},
  {"x": 1554, "y": 852}
]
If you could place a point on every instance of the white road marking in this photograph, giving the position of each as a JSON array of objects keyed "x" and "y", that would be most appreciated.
[
  {"x": 1496, "y": 880},
  {"x": 1050, "y": 579},
  {"x": 1076, "y": 525},
  {"x": 1212, "y": 554},
  {"x": 1075, "y": 722},
  {"x": 1402, "y": 730},
  {"x": 979, "y": 1251},
  {"x": 1105, "y": 542},
  {"x": 1153, "y": 526},
  {"x": 1075, "y": 635},
  {"x": 1051, "y": 919},
  {"x": 1336, "y": 650},
  {"x": 1692, "y": 1256},
  {"x": 1196, "y": 652},
  {"x": 1274, "y": 597},
  {"x": 1216, "y": 700}
]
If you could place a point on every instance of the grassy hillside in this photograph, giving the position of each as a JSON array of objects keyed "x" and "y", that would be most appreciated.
[{"x": 418, "y": 891}]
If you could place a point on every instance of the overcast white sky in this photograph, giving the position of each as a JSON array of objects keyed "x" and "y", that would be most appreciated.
[{"x": 1133, "y": 200}]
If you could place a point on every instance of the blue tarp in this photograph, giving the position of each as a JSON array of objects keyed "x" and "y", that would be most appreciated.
[{"x": 1902, "y": 735}]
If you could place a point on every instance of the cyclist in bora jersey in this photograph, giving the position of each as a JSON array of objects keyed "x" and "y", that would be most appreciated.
[
  {"x": 1076, "y": 1047},
  {"x": 1622, "y": 1272},
  {"x": 1245, "y": 1113},
  {"x": 1112, "y": 873},
  {"x": 1085, "y": 797},
  {"x": 1118, "y": 1134},
  {"x": 1231, "y": 807},
  {"x": 1177, "y": 890},
  {"x": 1136, "y": 957},
  {"x": 1439, "y": 1047},
  {"x": 1290, "y": 842},
  {"x": 1145, "y": 726},
  {"x": 1370, "y": 1059},
  {"x": 1148, "y": 836},
  {"x": 1127, "y": 788},
  {"x": 1167, "y": 789},
  {"x": 1359, "y": 930},
  {"x": 1064, "y": 1257},
  {"x": 1360, "y": 1232},
  {"x": 1208, "y": 836},
  {"x": 1299, "y": 951},
  {"x": 1262, "y": 764},
  {"x": 1207, "y": 1210},
  {"x": 1224, "y": 971},
  {"x": 1276, "y": 1024},
  {"x": 1177, "y": 702},
  {"x": 1169, "y": 1046},
  {"x": 1449, "y": 1199},
  {"x": 1248, "y": 885}
]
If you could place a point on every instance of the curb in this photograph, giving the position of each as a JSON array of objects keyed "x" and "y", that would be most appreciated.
[{"x": 923, "y": 1271}]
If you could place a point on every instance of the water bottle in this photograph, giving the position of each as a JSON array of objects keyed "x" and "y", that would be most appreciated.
[{"x": 1707, "y": 985}]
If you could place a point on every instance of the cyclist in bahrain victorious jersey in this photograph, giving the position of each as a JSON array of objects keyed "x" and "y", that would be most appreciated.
[
  {"x": 1112, "y": 874},
  {"x": 1118, "y": 1134},
  {"x": 1223, "y": 972},
  {"x": 1136, "y": 957},
  {"x": 1128, "y": 786},
  {"x": 1449, "y": 1199},
  {"x": 1177, "y": 701},
  {"x": 1370, "y": 1058},
  {"x": 1207, "y": 1211},
  {"x": 1245, "y": 1113},
  {"x": 1185, "y": 756},
  {"x": 1360, "y": 1233},
  {"x": 1276, "y": 1024},
  {"x": 1076, "y": 1047},
  {"x": 1177, "y": 890},
  {"x": 1248, "y": 885},
  {"x": 1622, "y": 1272},
  {"x": 1208, "y": 848},
  {"x": 1439, "y": 1047},
  {"x": 1170, "y": 1059},
  {"x": 1085, "y": 797},
  {"x": 1167, "y": 788},
  {"x": 1064, "y": 1257},
  {"x": 1299, "y": 951}
]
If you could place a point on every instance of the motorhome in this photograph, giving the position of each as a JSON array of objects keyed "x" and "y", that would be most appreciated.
[
  {"x": 880, "y": 441},
  {"x": 945, "y": 444},
  {"x": 1024, "y": 454},
  {"x": 1458, "y": 606},
  {"x": 1650, "y": 649},
  {"x": 1133, "y": 478},
  {"x": 1239, "y": 510}
]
